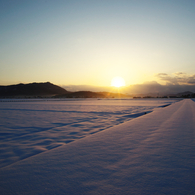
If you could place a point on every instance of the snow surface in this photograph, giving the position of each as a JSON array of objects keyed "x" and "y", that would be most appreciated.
[
  {"x": 151, "y": 154},
  {"x": 32, "y": 126}
]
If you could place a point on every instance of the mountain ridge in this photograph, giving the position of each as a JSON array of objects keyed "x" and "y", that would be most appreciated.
[{"x": 31, "y": 89}]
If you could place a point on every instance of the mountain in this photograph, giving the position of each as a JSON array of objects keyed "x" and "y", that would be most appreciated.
[{"x": 31, "y": 89}]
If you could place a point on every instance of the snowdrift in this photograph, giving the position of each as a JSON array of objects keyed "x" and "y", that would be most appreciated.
[{"x": 152, "y": 154}]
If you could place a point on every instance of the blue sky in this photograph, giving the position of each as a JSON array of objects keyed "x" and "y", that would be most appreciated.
[{"x": 90, "y": 42}]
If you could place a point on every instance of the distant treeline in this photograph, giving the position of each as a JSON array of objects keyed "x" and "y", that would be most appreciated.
[{"x": 179, "y": 95}]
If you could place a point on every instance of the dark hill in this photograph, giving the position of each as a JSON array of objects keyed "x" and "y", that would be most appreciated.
[{"x": 31, "y": 89}]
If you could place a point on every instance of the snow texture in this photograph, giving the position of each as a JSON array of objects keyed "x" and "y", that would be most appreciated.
[
  {"x": 32, "y": 126},
  {"x": 151, "y": 154}
]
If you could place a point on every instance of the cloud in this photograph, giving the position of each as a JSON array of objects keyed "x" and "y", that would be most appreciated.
[
  {"x": 178, "y": 78},
  {"x": 191, "y": 80},
  {"x": 158, "y": 89},
  {"x": 175, "y": 83},
  {"x": 147, "y": 87}
]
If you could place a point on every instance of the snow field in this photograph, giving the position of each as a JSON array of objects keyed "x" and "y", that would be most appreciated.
[
  {"x": 150, "y": 154},
  {"x": 29, "y": 127}
]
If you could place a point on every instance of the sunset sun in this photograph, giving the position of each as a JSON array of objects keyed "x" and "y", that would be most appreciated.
[{"x": 118, "y": 82}]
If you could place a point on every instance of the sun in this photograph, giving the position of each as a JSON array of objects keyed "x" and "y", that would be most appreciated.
[{"x": 118, "y": 82}]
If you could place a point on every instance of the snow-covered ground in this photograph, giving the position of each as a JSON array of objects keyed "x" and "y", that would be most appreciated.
[
  {"x": 150, "y": 154},
  {"x": 29, "y": 127}
]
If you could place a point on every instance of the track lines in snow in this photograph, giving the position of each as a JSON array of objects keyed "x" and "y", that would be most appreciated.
[{"x": 29, "y": 128}]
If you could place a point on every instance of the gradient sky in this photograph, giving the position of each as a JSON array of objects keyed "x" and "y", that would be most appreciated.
[{"x": 88, "y": 42}]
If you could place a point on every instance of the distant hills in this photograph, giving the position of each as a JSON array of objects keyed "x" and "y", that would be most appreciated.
[
  {"x": 50, "y": 90},
  {"x": 31, "y": 89}
]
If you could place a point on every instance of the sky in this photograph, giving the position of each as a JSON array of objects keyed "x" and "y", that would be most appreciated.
[{"x": 89, "y": 42}]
